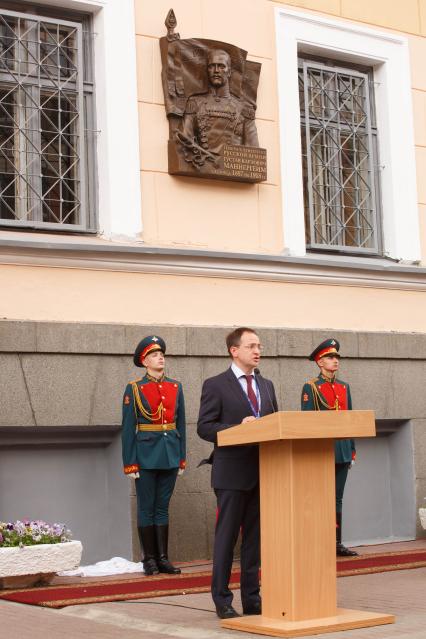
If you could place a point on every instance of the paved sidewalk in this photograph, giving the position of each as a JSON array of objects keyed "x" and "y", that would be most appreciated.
[{"x": 402, "y": 593}]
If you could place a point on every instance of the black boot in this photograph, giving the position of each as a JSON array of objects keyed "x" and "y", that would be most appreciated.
[
  {"x": 164, "y": 565},
  {"x": 341, "y": 550},
  {"x": 148, "y": 547}
]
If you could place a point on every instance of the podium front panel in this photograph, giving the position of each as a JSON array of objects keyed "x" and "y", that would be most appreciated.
[{"x": 298, "y": 529}]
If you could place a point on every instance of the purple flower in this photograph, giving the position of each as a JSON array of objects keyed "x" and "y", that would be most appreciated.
[{"x": 27, "y": 533}]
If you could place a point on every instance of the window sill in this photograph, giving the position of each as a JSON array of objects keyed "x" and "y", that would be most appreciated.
[{"x": 97, "y": 254}]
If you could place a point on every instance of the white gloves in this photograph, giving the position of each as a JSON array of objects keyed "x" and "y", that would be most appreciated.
[{"x": 136, "y": 475}]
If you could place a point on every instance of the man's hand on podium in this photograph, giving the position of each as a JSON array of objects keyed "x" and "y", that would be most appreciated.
[{"x": 251, "y": 418}]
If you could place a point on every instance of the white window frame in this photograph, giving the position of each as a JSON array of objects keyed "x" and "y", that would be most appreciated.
[
  {"x": 388, "y": 54},
  {"x": 116, "y": 104}
]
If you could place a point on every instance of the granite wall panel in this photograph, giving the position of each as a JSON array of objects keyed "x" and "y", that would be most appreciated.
[{"x": 74, "y": 374}]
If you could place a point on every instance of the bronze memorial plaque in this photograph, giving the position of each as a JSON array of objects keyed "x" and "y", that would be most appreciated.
[{"x": 210, "y": 93}]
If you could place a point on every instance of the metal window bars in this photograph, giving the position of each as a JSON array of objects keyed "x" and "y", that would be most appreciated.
[
  {"x": 338, "y": 159},
  {"x": 42, "y": 176}
]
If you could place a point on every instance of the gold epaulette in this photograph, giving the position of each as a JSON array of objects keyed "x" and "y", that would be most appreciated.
[
  {"x": 133, "y": 381},
  {"x": 312, "y": 381}
]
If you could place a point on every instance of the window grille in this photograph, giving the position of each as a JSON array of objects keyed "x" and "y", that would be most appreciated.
[
  {"x": 43, "y": 101},
  {"x": 339, "y": 148}
]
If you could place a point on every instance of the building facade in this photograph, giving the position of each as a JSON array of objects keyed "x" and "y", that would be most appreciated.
[{"x": 99, "y": 246}]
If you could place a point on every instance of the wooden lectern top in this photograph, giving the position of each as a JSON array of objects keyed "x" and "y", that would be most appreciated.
[{"x": 301, "y": 425}]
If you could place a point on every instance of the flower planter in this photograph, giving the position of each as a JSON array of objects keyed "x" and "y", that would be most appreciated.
[
  {"x": 26, "y": 566},
  {"x": 422, "y": 515}
]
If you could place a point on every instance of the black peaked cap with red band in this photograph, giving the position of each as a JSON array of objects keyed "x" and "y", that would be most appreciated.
[
  {"x": 327, "y": 347},
  {"x": 148, "y": 345}
]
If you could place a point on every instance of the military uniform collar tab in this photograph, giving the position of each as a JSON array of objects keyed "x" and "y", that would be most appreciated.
[
  {"x": 150, "y": 378},
  {"x": 327, "y": 379},
  {"x": 221, "y": 92}
]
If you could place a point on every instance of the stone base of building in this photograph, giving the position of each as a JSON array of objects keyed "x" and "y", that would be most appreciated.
[{"x": 62, "y": 388}]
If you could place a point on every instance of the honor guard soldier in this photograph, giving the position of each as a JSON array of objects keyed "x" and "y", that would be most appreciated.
[
  {"x": 154, "y": 449},
  {"x": 327, "y": 392}
]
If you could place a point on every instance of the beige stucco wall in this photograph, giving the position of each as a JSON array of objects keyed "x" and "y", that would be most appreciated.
[
  {"x": 183, "y": 212},
  {"x": 224, "y": 216},
  {"x": 41, "y": 293},
  {"x": 203, "y": 213}
]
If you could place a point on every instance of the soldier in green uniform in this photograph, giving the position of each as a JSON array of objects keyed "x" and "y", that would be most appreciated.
[
  {"x": 326, "y": 392},
  {"x": 154, "y": 449}
]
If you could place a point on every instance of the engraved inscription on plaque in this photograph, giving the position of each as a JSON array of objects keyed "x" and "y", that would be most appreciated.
[
  {"x": 245, "y": 162},
  {"x": 235, "y": 162}
]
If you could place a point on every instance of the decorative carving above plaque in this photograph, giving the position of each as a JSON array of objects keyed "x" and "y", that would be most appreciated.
[{"x": 210, "y": 93}]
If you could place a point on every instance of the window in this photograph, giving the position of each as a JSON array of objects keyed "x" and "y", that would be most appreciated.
[
  {"x": 46, "y": 122},
  {"x": 359, "y": 48},
  {"x": 339, "y": 155}
]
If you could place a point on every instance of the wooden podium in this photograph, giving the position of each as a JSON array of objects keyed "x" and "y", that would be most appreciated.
[{"x": 298, "y": 522}]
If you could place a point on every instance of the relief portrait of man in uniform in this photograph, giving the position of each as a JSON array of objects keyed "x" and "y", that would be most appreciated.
[
  {"x": 210, "y": 91},
  {"x": 217, "y": 117}
]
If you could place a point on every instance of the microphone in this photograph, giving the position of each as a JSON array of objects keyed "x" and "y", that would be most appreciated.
[{"x": 257, "y": 372}]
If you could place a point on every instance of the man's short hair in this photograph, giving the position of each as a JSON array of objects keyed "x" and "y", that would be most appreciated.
[{"x": 234, "y": 338}]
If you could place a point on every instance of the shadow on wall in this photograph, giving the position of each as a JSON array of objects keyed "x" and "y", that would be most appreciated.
[
  {"x": 71, "y": 476},
  {"x": 380, "y": 502}
]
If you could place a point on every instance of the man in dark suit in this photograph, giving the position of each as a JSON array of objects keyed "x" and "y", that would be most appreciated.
[{"x": 236, "y": 396}]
